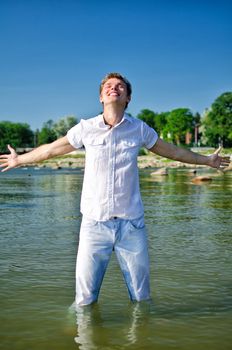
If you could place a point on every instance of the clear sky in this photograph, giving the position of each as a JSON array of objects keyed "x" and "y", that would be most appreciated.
[{"x": 53, "y": 54}]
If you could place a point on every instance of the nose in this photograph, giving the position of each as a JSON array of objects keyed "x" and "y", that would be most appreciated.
[{"x": 113, "y": 88}]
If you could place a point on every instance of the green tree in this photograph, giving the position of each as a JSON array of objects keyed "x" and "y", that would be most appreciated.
[
  {"x": 179, "y": 122},
  {"x": 64, "y": 124},
  {"x": 217, "y": 122},
  {"x": 15, "y": 134},
  {"x": 160, "y": 124},
  {"x": 197, "y": 128},
  {"x": 155, "y": 120},
  {"x": 148, "y": 117},
  {"x": 47, "y": 133}
]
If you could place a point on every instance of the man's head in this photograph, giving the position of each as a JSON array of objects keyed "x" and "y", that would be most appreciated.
[{"x": 114, "y": 87}]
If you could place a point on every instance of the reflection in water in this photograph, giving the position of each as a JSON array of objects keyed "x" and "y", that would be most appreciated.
[
  {"x": 140, "y": 315},
  {"x": 88, "y": 320},
  {"x": 93, "y": 321}
]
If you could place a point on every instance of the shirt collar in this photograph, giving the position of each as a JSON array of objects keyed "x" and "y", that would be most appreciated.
[
  {"x": 127, "y": 117},
  {"x": 102, "y": 124}
]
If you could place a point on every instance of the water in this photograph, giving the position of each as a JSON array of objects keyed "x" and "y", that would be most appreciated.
[{"x": 190, "y": 241}]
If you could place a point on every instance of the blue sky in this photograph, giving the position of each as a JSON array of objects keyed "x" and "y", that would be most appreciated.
[{"x": 55, "y": 52}]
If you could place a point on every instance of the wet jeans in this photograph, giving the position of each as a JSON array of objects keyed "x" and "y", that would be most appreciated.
[{"x": 97, "y": 241}]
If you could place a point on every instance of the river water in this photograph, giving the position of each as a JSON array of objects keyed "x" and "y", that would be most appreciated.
[{"x": 190, "y": 240}]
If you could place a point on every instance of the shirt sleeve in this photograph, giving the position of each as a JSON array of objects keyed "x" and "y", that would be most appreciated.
[
  {"x": 75, "y": 135},
  {"x": 149, "y": 136}
]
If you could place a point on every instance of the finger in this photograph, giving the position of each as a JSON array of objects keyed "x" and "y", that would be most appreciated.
[
  {"x": 218, "y": 150},
  {"x": 227, "y": 159},
  {"x": 9, "y": 147},
  {"x": 3, "y": 170},
  {"x": 3, "y": 165}
]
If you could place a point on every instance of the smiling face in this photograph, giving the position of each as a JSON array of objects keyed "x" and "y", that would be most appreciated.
[{"x": 114, "y": 90}]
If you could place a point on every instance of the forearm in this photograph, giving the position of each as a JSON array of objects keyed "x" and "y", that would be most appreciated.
[
  {"x": 183, "y": 155},
  {"x": 186, "y": 156},
  {"x": 37, "y": 155},
  {"x": 44, "y": 152},
  {"x": 56, "y": 148}
]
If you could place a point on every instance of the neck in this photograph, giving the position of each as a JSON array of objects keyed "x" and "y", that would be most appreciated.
[{"x": 112, "y": 116}]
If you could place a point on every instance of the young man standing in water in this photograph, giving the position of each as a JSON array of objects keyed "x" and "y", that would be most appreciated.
[{"x": 113, "y": 216}]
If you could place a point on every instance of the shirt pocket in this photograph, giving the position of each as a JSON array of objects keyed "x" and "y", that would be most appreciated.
[
  {"x": 130, "y": 149},
  {"x": 96, "y": 147}
]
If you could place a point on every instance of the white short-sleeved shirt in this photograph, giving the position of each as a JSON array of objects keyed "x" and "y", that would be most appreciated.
[{"x": 111, "y": 179}]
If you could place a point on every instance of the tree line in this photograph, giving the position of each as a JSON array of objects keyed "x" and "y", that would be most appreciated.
[
  {"x": 179, "y": 126},
  {"x": 20, "y": 135}
]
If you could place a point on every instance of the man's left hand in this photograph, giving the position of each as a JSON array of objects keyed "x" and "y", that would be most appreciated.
[{"x": 217, "y": 161}]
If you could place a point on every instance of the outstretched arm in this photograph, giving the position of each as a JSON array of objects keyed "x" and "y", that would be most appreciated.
[
  {"x": 56, "y": 148},
  {"x": 171, "y": 151}
]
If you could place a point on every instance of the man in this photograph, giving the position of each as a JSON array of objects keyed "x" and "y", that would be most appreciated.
[{"x": 111, "y": 204}]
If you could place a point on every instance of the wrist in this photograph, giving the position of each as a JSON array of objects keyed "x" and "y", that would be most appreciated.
[
  {"x": 18, "y": 161},
  {"x": 208, "y": 161},
  {"x": 202, "y": 160}
]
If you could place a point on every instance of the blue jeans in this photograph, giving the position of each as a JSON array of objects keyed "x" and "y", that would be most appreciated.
[{"x": 97, "y": 241}]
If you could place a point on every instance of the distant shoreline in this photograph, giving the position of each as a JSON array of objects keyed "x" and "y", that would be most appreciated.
[
  {"x": 144, "y": 161},
  {"x": 76, "y": 160}
]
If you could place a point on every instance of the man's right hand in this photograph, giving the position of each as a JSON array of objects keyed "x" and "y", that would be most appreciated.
[{"x": 9, "y": 161}]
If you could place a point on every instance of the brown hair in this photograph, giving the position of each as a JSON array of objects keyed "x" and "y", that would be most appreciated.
[{"x": 120, "y": 77}]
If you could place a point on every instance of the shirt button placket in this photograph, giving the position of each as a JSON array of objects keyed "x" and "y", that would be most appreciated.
[{"x": 111, "y": 173}]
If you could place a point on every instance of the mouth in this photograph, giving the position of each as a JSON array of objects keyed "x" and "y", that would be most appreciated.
[{"x": 113, "y": 94}]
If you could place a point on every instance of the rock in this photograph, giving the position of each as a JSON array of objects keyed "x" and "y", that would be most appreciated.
[
  {"x": 201, "y": 179},
  {"x": 160, "y": 172}
]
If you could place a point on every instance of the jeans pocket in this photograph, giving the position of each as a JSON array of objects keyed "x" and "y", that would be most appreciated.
[{"x": 137, "y": 224}]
